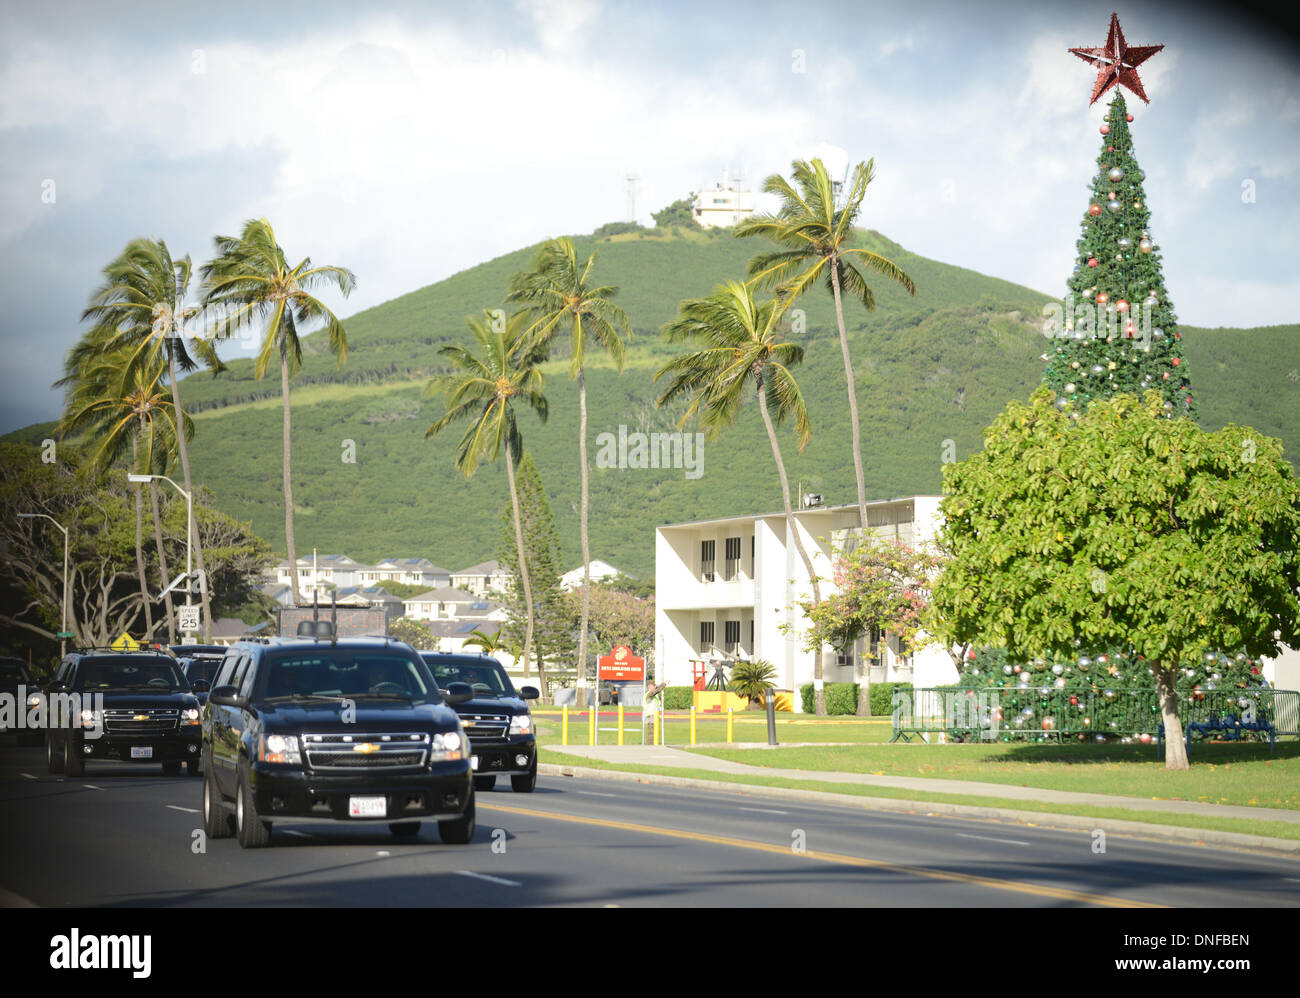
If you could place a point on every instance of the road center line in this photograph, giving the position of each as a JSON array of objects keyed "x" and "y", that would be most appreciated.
[
  {"x": 187, "y": 810},
  {"x": 1039, "y": 890},
  {"x": 91, "y": 786},
  {"x": 762, "y": 810},
  {"x": 495, "y": 880},
  {"x": 989, "y": 838},
  {"x": 592, "y": 793},
  {"x": 27, "y": 776}
]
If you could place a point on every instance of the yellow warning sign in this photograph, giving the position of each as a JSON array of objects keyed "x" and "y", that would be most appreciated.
[{"x": 125, "y": 643}]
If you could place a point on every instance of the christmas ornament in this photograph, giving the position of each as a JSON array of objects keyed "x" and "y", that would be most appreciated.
[
  {"x": 1105, "y": 129},
  {"x": 1125, "y": 243},
  {"x": 1137, "y": 204},
  {"x": 1102, "y": 298},
  {"x": 1116, "y": 62},
  {"x": 1176, "y": 362},
  {"x": 1092, "y": 261},
  {"x": 1128, "y": 118},
  {"x": 1094, "y": 210},
  {"x": 1121, "y": 306},
  {"x": 1115, "y": 207},
  {"x": 1115, "y": 174},
  {"x": 1070, "y": 387},
  {"x": 1145, "y": 246},
  {"x": 1111, "y": 195}
]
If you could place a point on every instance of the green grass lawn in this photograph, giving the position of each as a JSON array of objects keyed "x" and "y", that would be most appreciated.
[
  {"x": 750, "y": 727},
  {"x": 1243, "y": 826},
  {"x": 1220, "y": 774}
]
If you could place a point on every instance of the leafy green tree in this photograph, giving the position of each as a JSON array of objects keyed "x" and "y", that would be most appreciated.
[
  {"x": 483, "y": 390},
  {"x": 752, "y": 680},
  {"x": 251, "y": 281},
  {"x": 816, "y": 238},
  {"x": 142, "y": 305},
  {"x": 740, "y": 348},
  {"x": 558, "y": 296},
  {"x": 617, "y": 618},
  {"x": 1121, "y": 529},
  {"x": 413, "y": 633},
  {"x": 680, "y": 212}
]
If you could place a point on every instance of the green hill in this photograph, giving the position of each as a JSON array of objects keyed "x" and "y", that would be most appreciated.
[{"x": 931, "y": 368}]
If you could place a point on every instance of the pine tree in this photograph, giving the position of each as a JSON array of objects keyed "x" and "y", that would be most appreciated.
[{"x": 1117, "y": 331}]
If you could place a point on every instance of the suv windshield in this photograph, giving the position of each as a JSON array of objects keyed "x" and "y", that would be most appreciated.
[
  {"x": 202, "y": 668},
  {"x": 486, "y": 676},
  {"x": 11, "y": 675},
  {"x": 129, "y": 673},
  {"x": 354, "y": 674}
]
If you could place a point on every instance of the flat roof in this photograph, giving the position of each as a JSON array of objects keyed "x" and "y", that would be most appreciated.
[{"x": 797, "y": 512}]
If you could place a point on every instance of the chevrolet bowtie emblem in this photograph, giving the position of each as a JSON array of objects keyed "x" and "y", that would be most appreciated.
[
  {"x": 140, "y": 717},
  {"x": 365, "y": 748}
]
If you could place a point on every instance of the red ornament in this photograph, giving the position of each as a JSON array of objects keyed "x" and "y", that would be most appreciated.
[
  {"x": 1116, "y": 63},
  {"x": 1121, "y": 306},
  {"x": 1176, "y": 362},
  {"x": 1110, "y": 148},
  {"x": 1110, "y": 196},
  {"x": 1177, "y": 335},
  {"x": 1092, "y": 261},
  {"x": 1105, "y": 129},
  {"x": 1094, "y": 210},
  {"x": 1103, "y": 298},
  {"x": 1128, "y": 117},
  {"x": 1165, "y": 376}
]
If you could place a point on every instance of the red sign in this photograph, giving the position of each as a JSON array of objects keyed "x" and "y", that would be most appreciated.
[{"x": 622, "y": 665}]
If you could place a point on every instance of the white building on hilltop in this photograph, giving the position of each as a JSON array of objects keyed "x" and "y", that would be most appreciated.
[
  {"x": 730, "y": 588},
  {"x": 724, "y": 206}
]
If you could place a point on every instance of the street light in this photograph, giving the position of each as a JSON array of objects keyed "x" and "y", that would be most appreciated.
[
  {"x": 63, "y": 632},
  {"x": 189, "y": 530}
]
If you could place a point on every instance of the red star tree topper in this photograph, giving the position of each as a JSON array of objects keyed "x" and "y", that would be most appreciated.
[{"x": 1117, "y": 62}]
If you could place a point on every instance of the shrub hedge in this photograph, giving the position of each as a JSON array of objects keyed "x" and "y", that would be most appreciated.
[{"x": 842, "y": 698}]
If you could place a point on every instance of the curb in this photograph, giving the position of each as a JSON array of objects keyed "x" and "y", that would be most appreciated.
[{"x": 1041, "y": 819}]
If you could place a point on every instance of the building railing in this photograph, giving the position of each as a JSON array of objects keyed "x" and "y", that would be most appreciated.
[{"x": 1048, "y": 714}]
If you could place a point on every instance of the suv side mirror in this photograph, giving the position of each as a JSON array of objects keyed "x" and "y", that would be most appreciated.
[
  {"x": 529, "y": 693},
  {"x": 200, "y": 686},
  {"x": 458, "y": 693},
  {"x": 227, "y": 696}
]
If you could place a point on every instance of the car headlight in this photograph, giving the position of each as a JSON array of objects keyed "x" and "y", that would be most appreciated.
[
  {"x": 190, "y": 715},
  {"x": 90, "y": 719},
  {"x": 521, "y": 724},
  {"x": 35, "y": 699},
  {"x": 447, "y": 747},
  {"x": 279, "y": 748}
]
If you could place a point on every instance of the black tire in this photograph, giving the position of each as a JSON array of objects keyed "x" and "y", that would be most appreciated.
[
  {"x": 484, "y": 782},
  {"x": 192, "y": 767},
  {"x": 171, "y": 768},
  {"x": 405, "y": 829},
  {"x": 251, "y": 830},
  {"x": 527, "y": 782},
  {"x": 459, "y": 831},
  {"x": 216, "y": 821},
  {"x": 53, "y": 759},
  {"x": 73, "y": 764}
]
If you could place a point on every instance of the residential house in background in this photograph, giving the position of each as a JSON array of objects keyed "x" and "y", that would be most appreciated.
[
  {"x": 481, "y": 579},
  {"x": 411, "y": 571},
  {"x": 599, "y": 570}
]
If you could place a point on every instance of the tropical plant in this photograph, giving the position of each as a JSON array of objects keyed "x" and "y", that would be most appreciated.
[
  {"x": 483, "y": 389},
  {"x": 413, "y": 633},
  {"x": 250, "y": 281},
  {"x": 493, "y": 644},
  {"x": 142, "y": 306},
  {"x": 557, "y": 295},
  {"x": 752, "y": 679},
  {"x": 816, "y": 236},
  {"x": 741, "y": 346}
]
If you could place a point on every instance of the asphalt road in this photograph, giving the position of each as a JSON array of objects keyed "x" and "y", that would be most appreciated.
[{"x": 126, "y": 835}]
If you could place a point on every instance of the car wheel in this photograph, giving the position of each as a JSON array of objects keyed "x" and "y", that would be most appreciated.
[
  {"x": 524, "y": 784},
  {"x": 405, "y": 829},
  {"x": 484, "y": 782},
  {"x": 459, "y": 831},
  {"x": 53, "y": 759},
  {"x": 216, "y": 822},
  {"x": 171, "y": 768},
  {"x": 253, "y": 832},
  {"x": 73, "y": 764}
]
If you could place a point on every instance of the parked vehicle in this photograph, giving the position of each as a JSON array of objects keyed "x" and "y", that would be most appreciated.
[
  {"x": 497, "y": 719},
  {"x": 328, "y": 730},
  {"x": 133, "y": 706},
  {"x": 16, "y": 681}
]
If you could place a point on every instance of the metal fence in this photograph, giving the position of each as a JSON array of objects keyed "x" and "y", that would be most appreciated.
[{"x": 1047, "y": 714}]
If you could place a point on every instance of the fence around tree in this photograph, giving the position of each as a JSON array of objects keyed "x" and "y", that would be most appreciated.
[{"x": 1044, "y": 713}]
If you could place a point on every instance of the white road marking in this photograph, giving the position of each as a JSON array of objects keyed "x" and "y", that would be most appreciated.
[
  {"x": 1294, "y": 880},
  {"x": 187, "y": 810},
  {"x": 91, "y": 786},
  {"x": 592, "y": 793},
  {"x": 763, "y": 810},
  {"x": 27, "y": 776},
  {"x": 383, "y": 852},
  {"x": 989, "y": 838},
  {"x": 495, "y": 880}
]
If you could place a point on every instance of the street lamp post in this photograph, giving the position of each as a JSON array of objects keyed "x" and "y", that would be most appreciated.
[
  {"x": 63, "y": 631},
  {"x": 189, "y": 532}
]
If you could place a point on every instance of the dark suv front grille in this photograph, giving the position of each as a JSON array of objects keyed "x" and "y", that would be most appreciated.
[
  {"x": 484, "y": 729},
  {"x": 368, "y": 752},
  {"x": 145, "y": 721}
]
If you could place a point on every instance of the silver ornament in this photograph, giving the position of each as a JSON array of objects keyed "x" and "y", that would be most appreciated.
[
  {"x": 1114, "y": 207},
  {"x": 1125, "y": 243},
  {"x": 1115, "y": 174},
  {"x": 1145, "y": 246}
]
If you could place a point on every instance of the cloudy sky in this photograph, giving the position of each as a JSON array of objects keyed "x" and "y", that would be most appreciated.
[{"x": 408, "y": 141}]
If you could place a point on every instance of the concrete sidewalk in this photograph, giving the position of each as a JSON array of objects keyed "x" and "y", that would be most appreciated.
[{"x": 648, "y": 755}]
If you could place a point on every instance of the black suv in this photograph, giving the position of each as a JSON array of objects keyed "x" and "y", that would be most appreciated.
[
  {"x": 497, "y": 719},
  {"x": 199, "y": 671},
  {"x": 134, "y": 706},
  {"x": 16, "y": 681},
  {"x": 353, "y": 730}
]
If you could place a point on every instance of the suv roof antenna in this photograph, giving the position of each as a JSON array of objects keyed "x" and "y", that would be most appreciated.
[{"x": 334, "y": 618}]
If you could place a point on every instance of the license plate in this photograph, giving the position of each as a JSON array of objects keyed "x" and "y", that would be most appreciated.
[
  {"x": 473, "y": 762},
  {"x": 141, "y": 751},
  {"x": 367, "y": 807}
]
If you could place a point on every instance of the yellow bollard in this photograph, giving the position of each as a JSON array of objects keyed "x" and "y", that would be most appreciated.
[
  {"x": 731, "y": 721},
  {"x": 692, "y": 724},
  {"x": 564, "y": 727},
  {"x": 655, "y": 739},
  {"x": 620, "y": 724},
  {"x": 593, "y": 718}
]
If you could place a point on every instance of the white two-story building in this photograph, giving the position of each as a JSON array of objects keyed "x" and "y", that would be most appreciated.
[{"x": 730, "y": 589}]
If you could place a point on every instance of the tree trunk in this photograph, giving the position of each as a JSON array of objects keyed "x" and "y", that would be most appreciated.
[
  {"x": 1175, "y": 747},
  {"x": 288, "y": 488},
  {"x": 586, "y": 547},
  {"x": 162, "y": 563},
  {"x": 523, "y": 561},
  {"x": 139, "y": 544},
  {"x": 183, "y": 450},
  {"x": 864, "y": 688},
  {"x": 819, "y": 696},
  {"x": 853, "y": 396}
]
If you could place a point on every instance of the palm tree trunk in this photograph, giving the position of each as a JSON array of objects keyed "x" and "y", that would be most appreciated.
[
  {"x": 853, "y": 395},
  {"x": 288, "y": 487},
  {"x": 523, "y": 561},
  {"x": 139, "y": 543},
  {"x": 819, "y": 695},
  {"x": 586, "y": 547},
  {"x": 162, "y": 563},
  {"x": 183, "y": 449}
]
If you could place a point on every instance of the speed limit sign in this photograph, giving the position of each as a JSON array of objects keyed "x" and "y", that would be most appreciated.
[{"x": 189, "y": 618}]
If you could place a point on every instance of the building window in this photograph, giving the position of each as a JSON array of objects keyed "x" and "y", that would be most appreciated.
[
  {"x": 708, "y": 551},
  {"x": 731, "y": 636},
  {"x": 751, "y": 637},
  {"x": 731, "y": 567},
  {"x": 706, "y": 636},
  {"x": 845, "y": 657}
]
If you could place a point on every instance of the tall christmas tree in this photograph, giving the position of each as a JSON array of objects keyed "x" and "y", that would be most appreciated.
[{"x": 1117, "y": 331}]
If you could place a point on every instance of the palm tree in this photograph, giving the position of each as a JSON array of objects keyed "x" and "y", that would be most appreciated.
[
  {"x": 141, "y": 305},
  {"x": 752, "y": 679},
  {"x": 483, "y": 389},
  {"x": 493, "y": 644},
  {"x": 251, "y": 280},
  {"x": 740, "y": 346},
  {"x": 816, "y": 238},
  {"x": 557, "y": 295}
]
